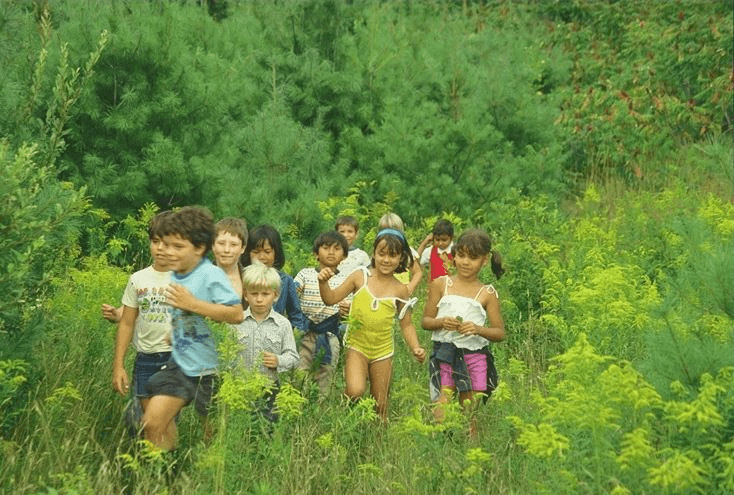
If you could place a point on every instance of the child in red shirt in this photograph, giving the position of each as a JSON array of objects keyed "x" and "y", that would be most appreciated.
[{"x": 439, "y": 256}]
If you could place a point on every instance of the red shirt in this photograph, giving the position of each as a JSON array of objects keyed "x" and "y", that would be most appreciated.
[{"x": 438, "y": 269}]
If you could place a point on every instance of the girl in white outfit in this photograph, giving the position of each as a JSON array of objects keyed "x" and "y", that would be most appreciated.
[{"x": 464, "y": 315}]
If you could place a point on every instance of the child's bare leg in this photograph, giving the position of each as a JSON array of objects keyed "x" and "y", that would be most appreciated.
[
  {"x": 158, "y": 420},
  {"x": 380, "y": 376},
  {"x": 439, "y": 411},
  {"x": 468, "y": 403},
  {"x": 355, "y": 374}
]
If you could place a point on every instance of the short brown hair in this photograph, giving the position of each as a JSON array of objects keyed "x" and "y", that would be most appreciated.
[
  {"x": 234, "y": 226},
  {"x": 347, "y": 220}
]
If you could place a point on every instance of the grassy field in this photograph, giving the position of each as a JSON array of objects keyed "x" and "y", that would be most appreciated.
[{"x": 620, "y": 383}]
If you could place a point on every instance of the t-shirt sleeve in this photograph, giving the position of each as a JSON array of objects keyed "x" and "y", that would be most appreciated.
[
  {"x": 130, "y": 296},
  {"x": 221, "y": 291},
  {"x": 299, "y": 281}
]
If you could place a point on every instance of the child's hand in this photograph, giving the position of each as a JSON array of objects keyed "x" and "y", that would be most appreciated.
[
  {"x": 110, "y": 313},
  {"x": 468, "y": 328},
  {"x": 120, "y": 381},
  {"x": 428, "y": 239},
  {"x": 344, "y": 307},
  {"x": 179, "y": 296},
  {"x": 419, "y": 353},
  {"x": 450, "y": 323},
  {"x": 270, "y": 360},
  {"x": 326, "y": 273}
]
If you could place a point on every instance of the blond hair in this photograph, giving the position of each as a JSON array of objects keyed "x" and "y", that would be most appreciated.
[
  {"x": 391, "y": 221},
  {"x": 259, "y": 276}
]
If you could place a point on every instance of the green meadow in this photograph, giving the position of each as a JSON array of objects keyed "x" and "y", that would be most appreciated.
[{"x": 591, "y": 138}]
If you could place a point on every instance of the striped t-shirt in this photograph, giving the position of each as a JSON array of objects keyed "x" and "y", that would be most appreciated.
[{"x": 307, "y": 287}]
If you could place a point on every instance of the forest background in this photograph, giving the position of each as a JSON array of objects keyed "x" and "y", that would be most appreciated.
[{"x": 591, "y": 138}]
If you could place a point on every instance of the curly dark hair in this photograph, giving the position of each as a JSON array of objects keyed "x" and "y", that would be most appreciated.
[
  {"x": 157, "y": 226},
  {"x": 443, "y": 227},
  {"x": 193, "y": 223}
]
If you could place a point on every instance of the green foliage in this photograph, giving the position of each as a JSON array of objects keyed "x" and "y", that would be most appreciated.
[
  {"x": 443, "y": 125},
  {"x": 13, "y": 374},
  {"x": 39, "y": 216},
  {"x": 125, "y": 243},
  {"x": 67, "y": 87},
  {"x": 284, "y": 159},
  {"x": 134, "y": 141},
  {"x": 276, "y": 94},
  {"x": 602, "y": 427},
  {"x": 616, "y": 375},
  {"x": 646, "y": 76},
  {"x": 39, "y": 226},
  {"x": 67, "y": 378},
  {"x": 305, "y": 99}
]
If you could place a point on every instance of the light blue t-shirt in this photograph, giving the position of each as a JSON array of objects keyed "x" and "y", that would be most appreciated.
[{"x": 194, "y": 349}]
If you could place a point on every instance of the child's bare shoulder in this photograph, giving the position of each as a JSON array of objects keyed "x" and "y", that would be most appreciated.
[
  {"x": 488, "y": 295},
  {"x": 400, "y": 289},
  {"x": 357, "y": 276}
]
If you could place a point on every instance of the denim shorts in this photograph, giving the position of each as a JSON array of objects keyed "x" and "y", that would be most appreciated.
[
  {"x": 147, "y": 365},
  {"x": 171, "y": 381}
]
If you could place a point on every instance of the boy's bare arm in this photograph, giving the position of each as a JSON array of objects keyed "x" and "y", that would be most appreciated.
[
  {"x": 179, "y": 296},
  {"x": 221, "y": 312},
  {"x": 424, "y": 244},
  {"x": 125, "y": 328},
  {"x": 111, "y": 313}
]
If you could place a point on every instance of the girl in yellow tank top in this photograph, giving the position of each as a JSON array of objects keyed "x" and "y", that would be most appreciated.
[
  {"x": 371, "y": 322},
  {"x": 379, "y": 297}
]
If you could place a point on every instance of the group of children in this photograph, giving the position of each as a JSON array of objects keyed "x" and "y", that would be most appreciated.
[{"x": 350, "y": 299}]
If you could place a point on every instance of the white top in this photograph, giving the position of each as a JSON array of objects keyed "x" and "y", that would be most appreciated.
[
  {"x": 356, "y": 258},
  {"x": 145, "y": 291},
  {"x": 469, "y": 310}
]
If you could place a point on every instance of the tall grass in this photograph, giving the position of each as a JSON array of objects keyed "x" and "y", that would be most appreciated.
[
  {"x": 596, "y": 298},
  {"x": 70, "y": 437}
]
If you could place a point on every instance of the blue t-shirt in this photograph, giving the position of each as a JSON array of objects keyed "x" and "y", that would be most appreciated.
[{"x": 194, "y": 349}]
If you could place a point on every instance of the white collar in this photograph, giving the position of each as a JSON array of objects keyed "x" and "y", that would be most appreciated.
[{"x": 447, "y": 250}]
